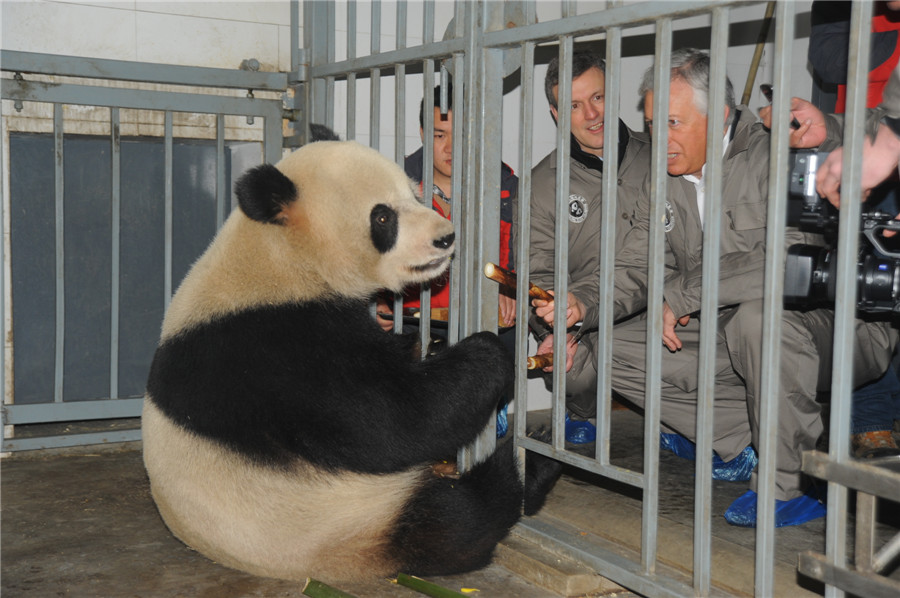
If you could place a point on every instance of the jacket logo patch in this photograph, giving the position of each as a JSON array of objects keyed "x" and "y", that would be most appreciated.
[
  {"x": 670, "y": 217},
  {"x": 578, "y": 208}
]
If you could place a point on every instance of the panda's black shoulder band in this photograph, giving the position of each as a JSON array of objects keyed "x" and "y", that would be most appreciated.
[{"x": 263, "y": 192}]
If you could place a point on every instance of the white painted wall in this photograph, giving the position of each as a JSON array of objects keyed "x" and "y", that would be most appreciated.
[{"x": 222, "y": 34}]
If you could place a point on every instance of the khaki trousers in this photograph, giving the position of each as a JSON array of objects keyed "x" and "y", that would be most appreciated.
[{"x": 805, "y": 369}]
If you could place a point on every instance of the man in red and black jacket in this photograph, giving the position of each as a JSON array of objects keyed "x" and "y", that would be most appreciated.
[{"x": 440, "y": 202}]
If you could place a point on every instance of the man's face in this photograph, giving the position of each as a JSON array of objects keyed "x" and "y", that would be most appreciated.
[
  {"x": 588, "y": 93},
  {"x": 443, "y": 142},
  {"x": 687, "y": 130}
]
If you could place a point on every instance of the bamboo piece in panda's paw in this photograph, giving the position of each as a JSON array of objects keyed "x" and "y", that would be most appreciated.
[
  {"x": 536, "y": 362},
  {"x": 504, "y": 276}
]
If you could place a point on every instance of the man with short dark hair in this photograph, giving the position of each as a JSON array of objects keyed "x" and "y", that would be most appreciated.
[
  {"x": 440, "y": 202},
  {"x": 584, "y": 215}
]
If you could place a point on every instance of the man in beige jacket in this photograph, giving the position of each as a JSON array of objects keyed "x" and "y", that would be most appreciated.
[{"x": 806, "y": 335}]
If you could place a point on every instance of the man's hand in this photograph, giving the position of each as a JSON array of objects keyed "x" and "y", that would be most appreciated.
[
  {"x": 670, "y": 339},
  {"x": 574, "y": 310},
  {"x": 811, "y": 132},
  {"x": 383, "y": 308},
  {"x": 879, "y": 161},
  {"x": 546, "y": 346},
  {"x": 507, "y": 310}
]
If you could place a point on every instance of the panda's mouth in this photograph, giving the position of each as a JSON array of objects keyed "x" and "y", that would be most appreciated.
[{"x": 434, "y": 264}]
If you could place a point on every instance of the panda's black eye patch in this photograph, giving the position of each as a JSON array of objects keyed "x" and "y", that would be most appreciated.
[{"x": 383, "y": 227}]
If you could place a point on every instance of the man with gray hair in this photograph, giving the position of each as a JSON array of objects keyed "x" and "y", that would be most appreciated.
[
  {"x": 806, "y": 335},
  {"x": 584, "y": 216}
]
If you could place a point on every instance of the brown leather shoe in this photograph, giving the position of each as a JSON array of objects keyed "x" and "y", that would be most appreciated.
[{"x": 870, "y": 445}]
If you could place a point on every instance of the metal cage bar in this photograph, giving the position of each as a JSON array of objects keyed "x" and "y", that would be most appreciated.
[
  {"x": 709, "y": 301},
  {"x": 658, "y": 179}
]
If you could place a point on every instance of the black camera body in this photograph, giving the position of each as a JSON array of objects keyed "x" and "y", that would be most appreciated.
[{"x": 810, "y": 272}]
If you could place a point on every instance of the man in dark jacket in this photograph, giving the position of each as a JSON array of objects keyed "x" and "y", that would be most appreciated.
[{"x": 440, "y": 202}]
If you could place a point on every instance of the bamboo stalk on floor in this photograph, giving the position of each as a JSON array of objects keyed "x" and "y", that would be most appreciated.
[
  {"x": 426, "y": 587},
  {"x": 316, "y": 589}
]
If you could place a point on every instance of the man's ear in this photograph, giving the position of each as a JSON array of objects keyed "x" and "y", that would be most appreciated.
[
  {"x": 422, "y": 134},
  {"x": 555, "y": 114},
  {"x": 727, "y": 112}
]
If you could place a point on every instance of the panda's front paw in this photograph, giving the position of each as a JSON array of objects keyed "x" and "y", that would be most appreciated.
[{"x": 485, "y": 349}]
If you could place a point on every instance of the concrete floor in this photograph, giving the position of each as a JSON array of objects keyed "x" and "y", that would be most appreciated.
[{"x": 82, "y": 523}]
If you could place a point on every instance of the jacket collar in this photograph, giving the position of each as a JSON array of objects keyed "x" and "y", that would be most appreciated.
[
  {"x": 739, "y": 131},
  {"x": 592, "y": 161}
]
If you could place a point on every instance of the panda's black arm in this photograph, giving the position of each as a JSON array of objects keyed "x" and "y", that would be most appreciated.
[
  {"x": 327, "y": 385},
  {"x": 395, "y": 413}
]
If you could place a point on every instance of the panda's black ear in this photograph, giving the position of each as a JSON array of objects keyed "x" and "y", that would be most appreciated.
[{"x": 263, "y": 192}]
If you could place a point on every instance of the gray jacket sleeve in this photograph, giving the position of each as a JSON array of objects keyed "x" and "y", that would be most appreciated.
[
  {"x": 543, "y": 202},
  {"x": 890, "y": 101},
  {"x": 582, "y": 269}
]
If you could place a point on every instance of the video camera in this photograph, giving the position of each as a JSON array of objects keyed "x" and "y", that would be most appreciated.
[{"x": 810, "y": 272}]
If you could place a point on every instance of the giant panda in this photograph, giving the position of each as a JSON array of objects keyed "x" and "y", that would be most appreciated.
[{"x": 284, "y": 432}]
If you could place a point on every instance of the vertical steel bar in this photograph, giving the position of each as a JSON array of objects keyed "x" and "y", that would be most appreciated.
[
  {"x": 709, "y": 300},
  {"x": 486, "y": 203},
  {"x": 658, "y": 174},
  {"x": 561, "y": 235},
  {"x": 375, "y": 79},
  {"x": 466, "y": 246},
  {"x": 331, "y": 16},
  {"x": 428, "y": 21},
  {"x": 315, "y": 23},
  {"x": 456, "y": 178},
  {"x": 115, "y": 142},
  {"x": 6, "y": 386},
  {"x": 295, "y": 35},
  {"x": 427, "y": 187},
  {"x": 274, "y": 139},
  {"x": 523, "y": 226},
  {"x": 612, "y": 105},
  {"x": 400, "y": 89},
  {"x": 845, "y": 293},
  {"x": 472, "y": 83},
  {"x": 459, "y": 120},
  {"x": 221, "y": 185},
  {"x": 60, "y": 251},
  {"x": 168, "y": 219},
  {"x": 351, "y": 77},
  {"x": 772, "y": 307}
]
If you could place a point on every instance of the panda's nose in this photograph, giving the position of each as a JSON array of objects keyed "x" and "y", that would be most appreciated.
[{"x": 445, "y": 242}]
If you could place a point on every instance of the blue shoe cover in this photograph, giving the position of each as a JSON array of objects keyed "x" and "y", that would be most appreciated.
[
  {"x": 580, "y": 431},
  {"x": 736, "y": 470},
  {"x": 678, "y": 444},
  {"x": 795, "y": 511},
  {"x": 502, "y": 422}
]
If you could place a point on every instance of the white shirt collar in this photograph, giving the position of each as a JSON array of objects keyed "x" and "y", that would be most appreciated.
[{"x": 698, "y": 182}]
